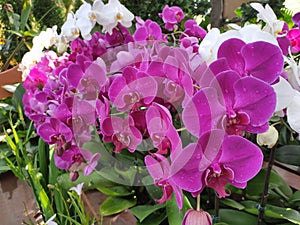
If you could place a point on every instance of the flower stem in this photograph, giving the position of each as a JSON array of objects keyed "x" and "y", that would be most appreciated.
[
  {"x": 198, "y": 203},
  {"x": 217, "y": 206},
  {"x": 6, "y": 65},
  {"x": 265, "y": 193}
]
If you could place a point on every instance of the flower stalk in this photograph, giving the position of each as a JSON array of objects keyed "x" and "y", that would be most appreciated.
[{"x": 265, "y": 193}]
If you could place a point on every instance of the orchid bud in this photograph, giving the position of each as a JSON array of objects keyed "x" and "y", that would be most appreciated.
[
  {"x": 269, "y": 138},
  {"x": 194, "y": 217}
]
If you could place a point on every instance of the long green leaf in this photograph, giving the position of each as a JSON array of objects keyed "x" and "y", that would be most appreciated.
[
  {"x": 25, "y": 14},
  {"x": 143, "y": 211},
  {"x": 114, "y": 205},
  {"x": 43, "y": 154},
  {"x": 289, "y": 154}
]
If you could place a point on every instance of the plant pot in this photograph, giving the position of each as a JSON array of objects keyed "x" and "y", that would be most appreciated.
[
  {"x": 9, "y": 77},
  {"x": 15, "y": 197}
]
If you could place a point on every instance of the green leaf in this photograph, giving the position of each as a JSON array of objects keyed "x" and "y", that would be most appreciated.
[
  {"x": 115, "y": 191},
  {"x": 234, "y": 217},
  {"x": 113, "y": 205},
  {"x": 283, "y": 213},
  {"x": 43, "y": 158},
  {"x": 175, "y": 216},
  {"x": 295, "y": 199},
  {"x": 143, "y": 211},
  {"x": 154, "y": 219},
  {"x": 25, "y": 14},
  {"x": 18, "y": 96},
  {"x": 274, "y": 212},
  {"x": 232, "y": 203},
  {"x": 91, "y": 181},
  {"x": 256, "y": 185},
  {"x": 289, "y": 154},
  {"x": 4, "y": 169}
]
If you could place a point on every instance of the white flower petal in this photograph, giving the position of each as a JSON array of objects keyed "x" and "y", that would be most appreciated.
[
  {"x": 293, "y": 116},
  {"x": 284, "y": 94}
]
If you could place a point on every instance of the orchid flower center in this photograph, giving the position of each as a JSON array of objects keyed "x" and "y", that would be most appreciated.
[
  {"x": 75, "y": 32},
  {"x": 236, "y": 123},
  {"x": 171, "y": 86},
  {"x": 131, "y": 98},
  {"x": 92, "y": 16},
  {"x": 119, "y": 16},
  {"x": 157, "y": 137},
  {"x": 123, "y": 138},
  {"x": 217, "y": 176}
]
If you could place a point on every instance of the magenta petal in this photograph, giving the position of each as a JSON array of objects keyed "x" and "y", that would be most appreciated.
[
  {"x": 203, "y": 112},
  {"x": 211, "y": 143},
  {"x": 263, "y": 60},
  {"x": 219, "y": 66},
  {"x": 185, "y": 169},
  {"x": 115, "y": 90},
  {"x": 156, "y": 168},
  {"x": 46, "y": 131},
  {"x": 241, "y": 156},
  {"x": 74, "y": 74},
  {"x": 223, "y": 83},
  {"x": 231, "y": 50},
  {"x": 255, "y": 98},
  {"x": 140, "y": 34},
  {"x": 135, "y": 139}
]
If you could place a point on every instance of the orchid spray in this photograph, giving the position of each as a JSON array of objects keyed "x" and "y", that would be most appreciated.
[{"x": 167, "y": 107}]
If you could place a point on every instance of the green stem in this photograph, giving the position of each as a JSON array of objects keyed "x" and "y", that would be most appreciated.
[
  {"x": 265, "y": 193},
  {"x": 198, "y": 203},
  {"x": 217, "y": 206},
  {"x": 6, "y": 65}
]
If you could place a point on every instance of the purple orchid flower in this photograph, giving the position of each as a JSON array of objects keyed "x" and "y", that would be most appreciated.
[
  {"x": 88, "y": 78},
  {"x": 189, "y": 43},
  {"x": 216, "y": 160},
  {"x": 172, "y": 71},
  {"x": 296, "y": 19},
  {"x": 55, "y": 132},
  {"x": 258, "y": 59},
  {"x": 121, "y": 132},
  {"x": 249, "y": 102},
  {"x": 171, "y": 16},
  {"x": 74, "y": 157},
  {"x": 161, "y": 130},
  {"x": 159, "y": 168},
  {"x": 132, "y": 88},
  {"x": 193, "y": 30},
  {"x": 91, "y": 161},
  {"x": 294, "y": 37},
  {"x": 203, "y": 112},
  {"x": 120, "y": 35},
  {"x": 147, "y": 31},
  {"x": 36, "y": 79},
  {"x": 68, "y": 158}
]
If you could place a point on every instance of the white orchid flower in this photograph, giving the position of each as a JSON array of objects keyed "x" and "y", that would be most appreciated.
[
  {"x": 293, "y": 73},
  {"x": 77, "y": 188},
  {"x": 86, "y": 17},
  {"x": 51, "y": 221},
  {"x": 29, "y": 60},
  {"x": 273, "y": 25},
  {"x": 113, "y": 13},
  {"x": 69, "y": 29},
  {"x": 289, "y": 98},
  {"x": 250, "y": 33},
  {"x": 45, "y": 39}
]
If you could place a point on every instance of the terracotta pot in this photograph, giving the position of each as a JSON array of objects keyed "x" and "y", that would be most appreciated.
[{"x": 10, "y": 76}]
